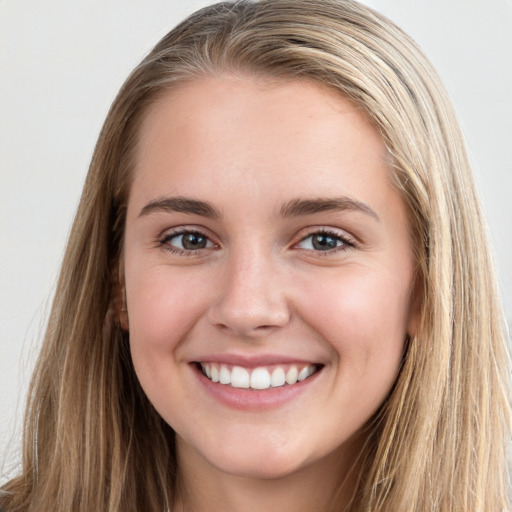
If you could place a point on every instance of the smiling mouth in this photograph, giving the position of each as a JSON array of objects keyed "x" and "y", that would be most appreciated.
[{"x": 259, "y": 378}]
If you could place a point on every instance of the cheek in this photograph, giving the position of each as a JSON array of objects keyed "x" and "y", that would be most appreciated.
[
  {"x": 163, "y": 306},
  {"x": 363, "y": 316}
]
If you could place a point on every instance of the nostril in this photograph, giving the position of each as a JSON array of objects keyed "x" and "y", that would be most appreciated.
[
  {"x": 247, "y": 331},
  {"x": 248, "y": 322}
]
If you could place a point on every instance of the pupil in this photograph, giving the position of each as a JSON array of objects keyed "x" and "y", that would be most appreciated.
[
  {"x": 193, "y": 241},
  {"x": 324, "y": 242}
]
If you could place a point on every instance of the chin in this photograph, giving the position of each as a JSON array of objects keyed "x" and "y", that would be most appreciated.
[
  {"x": 262, "y": 469},
  {"x": 253, "y": 460}
]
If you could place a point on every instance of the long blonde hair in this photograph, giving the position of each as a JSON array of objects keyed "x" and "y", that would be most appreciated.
[{"x": 92, "y": 440}]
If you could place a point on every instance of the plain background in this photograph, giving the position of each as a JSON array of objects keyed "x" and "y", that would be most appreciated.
[{"x": 61, "y": 64}]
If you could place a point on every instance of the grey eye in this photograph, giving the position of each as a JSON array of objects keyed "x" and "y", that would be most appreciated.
[{"x": 321, "y": 242}]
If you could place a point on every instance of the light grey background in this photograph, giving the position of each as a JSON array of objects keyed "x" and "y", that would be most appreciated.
[{"x": 61, "y": 64}]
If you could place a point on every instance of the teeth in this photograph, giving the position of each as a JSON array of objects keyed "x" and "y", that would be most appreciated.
[
  {"x": 224, "y": 375},
  {"x": 305, "y": 373},
  {"x": 259, "y": 378},
  {"x": 291, "y": 375},
  {"x": 278, "y": 377},
  {"x": 239, "y": 377}
]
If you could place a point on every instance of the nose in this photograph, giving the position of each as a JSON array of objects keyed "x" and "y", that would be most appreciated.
[{"x": 251, "y": 300}]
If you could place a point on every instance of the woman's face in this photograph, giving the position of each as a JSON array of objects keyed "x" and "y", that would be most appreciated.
[{"x": 264, "y": 241}]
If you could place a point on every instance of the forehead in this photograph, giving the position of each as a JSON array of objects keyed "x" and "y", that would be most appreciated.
[
  {"x": 291, "y": 138},
  {"x": 206, "y": 104}
]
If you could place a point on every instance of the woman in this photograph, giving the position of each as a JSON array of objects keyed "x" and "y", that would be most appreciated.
[{"x": 276, "y": 293}]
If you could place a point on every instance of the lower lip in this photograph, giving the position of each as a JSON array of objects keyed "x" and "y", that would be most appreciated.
[{"x": 254, "y": 399}]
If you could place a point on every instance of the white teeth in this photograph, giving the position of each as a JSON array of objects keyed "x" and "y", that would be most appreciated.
[
  {"x": 239, "y": 377},
  {"x": 305, "y": 373},
  {"x": 224, "y": 375},
  {"x": 278, "y": 377},
  {"x": 259, "y": 378},
  {"x": 291, "y": 375}
]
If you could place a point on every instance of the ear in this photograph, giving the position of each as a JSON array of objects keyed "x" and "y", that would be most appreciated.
[{"x": 118, "y": 300}]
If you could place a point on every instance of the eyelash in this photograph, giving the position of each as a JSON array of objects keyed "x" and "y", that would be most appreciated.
[
  {"x": 347, "y": 242},
  {"x": 163, "y": 242}
]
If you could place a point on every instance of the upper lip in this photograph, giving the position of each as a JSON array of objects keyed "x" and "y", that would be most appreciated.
[{"x": 252, "y": 360}]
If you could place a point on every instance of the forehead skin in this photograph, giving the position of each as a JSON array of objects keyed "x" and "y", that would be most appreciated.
[{"x": 199, "y": 132}]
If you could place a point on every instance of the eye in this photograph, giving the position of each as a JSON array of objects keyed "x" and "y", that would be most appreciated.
[
  {"x": 324, "y": 241},
  {"x": 186, "y": 241}
]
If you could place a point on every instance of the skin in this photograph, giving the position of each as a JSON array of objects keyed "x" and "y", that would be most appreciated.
[{"x": 259, "y": 286}]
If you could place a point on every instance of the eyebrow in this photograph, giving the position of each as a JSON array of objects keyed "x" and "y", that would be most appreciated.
[
  {"x": 180, "y": 205},
  {"x": 293, "y": 208},
  {"x": 300, "y": 207}
]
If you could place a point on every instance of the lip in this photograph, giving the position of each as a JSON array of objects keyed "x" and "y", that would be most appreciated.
[
  {"x": 252, "y": 399},
  {"x": 253, "y": 361}
]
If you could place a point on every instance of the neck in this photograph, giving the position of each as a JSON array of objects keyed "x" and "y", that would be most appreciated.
[{"x": 324, "y": 486}]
